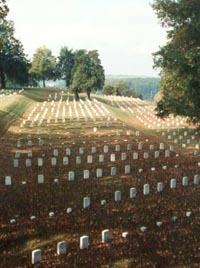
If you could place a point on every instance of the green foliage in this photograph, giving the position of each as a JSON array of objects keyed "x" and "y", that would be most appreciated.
[
  {"x": 3, "y": 10},
  {"x": 108, "y": 90},
  {"x": 145, "y": 88},
  {"x": 13, "y": 62},
  {"x": 65, "y": 65},
  {"x": 87, "y": 73},
  {"x": 179, "y": 59},
  {"x": 43, "y": 65},
  {"x": 120, "y": 88}
]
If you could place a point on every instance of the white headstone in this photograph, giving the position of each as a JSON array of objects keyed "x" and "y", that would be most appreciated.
[
  {"x": 113, "y": 171},
  {"x": 146, "y": 189},
  {"x": 162, "y": 146},
  {"x": 160, "y": 187},
  {"x": 196, "y": 179},
  {"x": 105, "y": 236},
  {"x": 40, "y": 162},
  {"x": 40, "y": 178},
  {"x": 81, "y": 150},
  {"x": 133, "y": 192},
  {"x": 78, "y": 160},
  {"x": 89, "y": 159},
  {"x": 17, "y": 154},
  {"x": 19, "y": 144},
  {"x": 129, "y": 147},
  {"x": 61, "y": 248},
  {"x": 105, "y": 149},
  {"x": 55, "y": 152},
  {"x": 123, "y": 156},
  {"x": 103, "y": 202},
  {"x": 65, "y": 160},
  {"x": 159, "y": 223},
  {"x": 112, "y": 157},
  {"x": 137, "y": 133},
  {"x": 156, "y": 154},
  {"x": 86, "y": 202},
  {"x": 135, "y": 156},
  {"x": 84, "y": 242},
  {"x": 146, "y": 155},
  {"x": 99, "y": 172},
  {"x": 173, "y": 183},
  {"x": 28, "y": 162},
  {"x": 117, "y": 148},
  {"x": 86, "y": 174},
  {"x": 185, "y": 181},
  {"x": 139, "y": 146},
  {"x": 101, "y": 158},
  {"x": 143, "y": 229},
  {"x": 8, "y": 180},
  {"x": 151, "y": 147},
  {"x": 69, "y": 210},
  {"x": 127, "y": 169},
  {"x": 93, "y": 150},
  {"x": 71, "y": 175},
  {"x": 53, "y": 161},
  {"x": 29, "y": 154},
  {"x": 36, "y": 256},
  {"x": 117, "y": 196},
  {"x": 167, "y": 153},
  {"x": 29, "y": 143},
  {"x": 68, "y": 151},
  {"x": 124, "y": 234},
  {"x": 16, "y": 163}
]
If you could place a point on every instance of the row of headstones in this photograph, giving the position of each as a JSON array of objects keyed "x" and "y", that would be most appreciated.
[
  {"x": 101, "y": 159},
  {"x": 88, "y": 108},
  {"x": 146, "y": 190},
  {"x": 86, "y": 174},
  {"x": 132, "y": 194},
  {"x": 36, "y": 255},
  {"x": 106, "y": 148}
]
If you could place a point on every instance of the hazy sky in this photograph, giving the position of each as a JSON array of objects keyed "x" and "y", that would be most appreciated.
[{"x": 125, "y": 32}]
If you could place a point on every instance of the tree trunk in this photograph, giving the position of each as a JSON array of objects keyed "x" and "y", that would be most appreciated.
[
  {"x": 76, "y": 96},
  {"x": 2, "y": 79},
  {"x": 88, "y": 91},
  {"x": 43, "y": 80}
]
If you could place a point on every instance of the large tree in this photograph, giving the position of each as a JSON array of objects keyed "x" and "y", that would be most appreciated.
[
  {"x": 3, "y": 13},
  {"x": 13, "y": 61},
  {"x": 3, "y": 9},
  {"x": 43, "y": 65},
  {"x": 179, "y": 59},
  {"x": 88, "y": 73},
  {"x": 65, "y": 65}
]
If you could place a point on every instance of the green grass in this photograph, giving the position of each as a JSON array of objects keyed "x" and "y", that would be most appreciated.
[{"x": 12, "y": 112}]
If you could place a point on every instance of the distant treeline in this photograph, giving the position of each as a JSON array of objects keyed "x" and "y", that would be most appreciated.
[{"x": 145, "y": 86}]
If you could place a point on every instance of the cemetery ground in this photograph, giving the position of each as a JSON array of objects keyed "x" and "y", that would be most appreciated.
[{"x": 101, "y": 183}]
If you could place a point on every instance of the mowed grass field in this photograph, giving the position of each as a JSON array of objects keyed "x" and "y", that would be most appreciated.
[{"x": 48, "y": 124}]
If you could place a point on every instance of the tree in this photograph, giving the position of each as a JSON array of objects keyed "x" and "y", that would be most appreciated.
[
  {"x": 65, "y": 65},
  {"x": 179, "y": 59},
  {"x": 43, "y": 65},
  {"x": 3, "y": 13},
  {"x": 13, "y": 61},
  {"x": 108, "y": 90},
  {"x": 3, "y": 9},
  {"x": 87, "y": 73}
]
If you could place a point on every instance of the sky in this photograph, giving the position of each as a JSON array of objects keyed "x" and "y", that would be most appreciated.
[{"x": 125, "y": 32}]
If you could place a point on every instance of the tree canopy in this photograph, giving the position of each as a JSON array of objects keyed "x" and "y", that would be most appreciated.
[
  {"x": 179, "y": 59},
  {"x": 65, "y": 65},
  {"x": 43, "y": 65},
  {"x": 13, "y": 62},
  {"x": 120, "y": 88},
  {"x": 87, "y": 73},
  {"x": 3, "y": 9}
]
